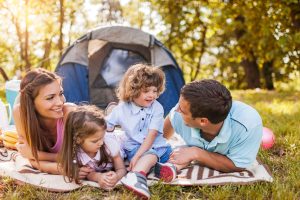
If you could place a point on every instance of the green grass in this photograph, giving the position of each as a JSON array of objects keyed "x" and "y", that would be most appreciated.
[{"x": 280, "y": 112}]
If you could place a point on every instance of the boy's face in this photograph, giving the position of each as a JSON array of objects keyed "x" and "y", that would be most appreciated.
[{"x": 146, "y": 97}]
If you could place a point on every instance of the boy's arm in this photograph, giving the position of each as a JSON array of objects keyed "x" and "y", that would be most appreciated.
[{"x": 148, "y": 142}]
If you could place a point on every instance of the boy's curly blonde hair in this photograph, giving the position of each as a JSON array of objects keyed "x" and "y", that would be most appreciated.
[{"x": 139, "y": 77}]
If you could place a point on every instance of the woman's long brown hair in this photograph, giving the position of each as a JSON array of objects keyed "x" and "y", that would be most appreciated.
[
  {"x": 81, "y": 123},
  {"x": 36, "y": 134}
]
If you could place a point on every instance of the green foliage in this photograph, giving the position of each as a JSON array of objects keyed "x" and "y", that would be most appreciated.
[
  {"x": 211, "y": 39},
  {"x": 280, "y": 112},
  {"x": 237, "y": 42}
]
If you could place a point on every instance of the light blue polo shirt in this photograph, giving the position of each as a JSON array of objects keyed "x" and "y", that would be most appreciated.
[
  {"x": 137, "y": 121},
  {"x": 239, "y": 138}
]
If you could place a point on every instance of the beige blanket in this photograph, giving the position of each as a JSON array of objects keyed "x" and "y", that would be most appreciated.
[{"x": 15, "y": 166}]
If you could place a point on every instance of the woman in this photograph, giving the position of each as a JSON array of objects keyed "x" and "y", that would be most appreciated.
[{"x": 40, "y": 117}]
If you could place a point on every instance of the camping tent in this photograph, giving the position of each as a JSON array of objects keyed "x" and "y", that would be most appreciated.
[{"x": 94, "y": 64}]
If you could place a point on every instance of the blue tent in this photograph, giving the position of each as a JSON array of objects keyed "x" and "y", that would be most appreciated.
[{"x": 95, "y": 63}]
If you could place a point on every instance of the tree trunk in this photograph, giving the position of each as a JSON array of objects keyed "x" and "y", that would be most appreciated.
[
  {"x": 47, "y": 49},
  {"x": 61, "y": 24},
  {"x": 267, "y": 71},
  {"x": 4, "y": 75},
  {"x": 252, "y": 73},
  {"x": 26, "y": 48},
  {"x": 203, "y": 46}
]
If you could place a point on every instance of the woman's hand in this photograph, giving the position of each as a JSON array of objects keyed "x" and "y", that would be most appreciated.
[{"x": 25, "y": 150}]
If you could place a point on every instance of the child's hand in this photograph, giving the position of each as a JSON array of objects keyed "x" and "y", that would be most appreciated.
[
  {"x": 84, "y": 171},
  {"x": 112, "y": 177},
  {"x": 106, "y": 180},
  {"x": 133, "y": 162}
]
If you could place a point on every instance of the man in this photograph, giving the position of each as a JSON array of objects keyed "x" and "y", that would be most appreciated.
[{"x": 219, "y": 133}]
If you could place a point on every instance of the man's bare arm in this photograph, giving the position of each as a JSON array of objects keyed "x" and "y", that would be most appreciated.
[
  {"x": 168, "y": 128},
  {"x": 209, "y": 159}
]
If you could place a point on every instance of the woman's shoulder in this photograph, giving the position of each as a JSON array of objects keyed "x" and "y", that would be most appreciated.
[
  {"x": 16, "y": 110},
  {"x": 68, "y": 107}
]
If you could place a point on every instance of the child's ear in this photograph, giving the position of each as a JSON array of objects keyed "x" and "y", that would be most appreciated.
[{"x": 78, "y": 140}]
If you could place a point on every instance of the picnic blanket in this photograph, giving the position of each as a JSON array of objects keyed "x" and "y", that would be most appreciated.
[{"x": 13, "y": 165}]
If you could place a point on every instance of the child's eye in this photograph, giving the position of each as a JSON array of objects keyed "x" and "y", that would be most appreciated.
[{"x": 61, "y": 93}]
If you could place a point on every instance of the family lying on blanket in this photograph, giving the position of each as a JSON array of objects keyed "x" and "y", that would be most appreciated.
[{"x": 80, "y": 143}]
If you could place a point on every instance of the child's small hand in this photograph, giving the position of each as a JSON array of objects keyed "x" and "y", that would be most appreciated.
[
  {"x": 133, "y": 162},
  {"x": 112, "y": 177},
  {"x": 84, "y": 171},
  {"x": 104, "y": 180}
]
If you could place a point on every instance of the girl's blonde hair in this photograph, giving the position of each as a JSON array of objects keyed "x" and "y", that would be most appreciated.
[
  {"x": 36, "y": 133},
  {"x": 139, "y": 77},
  {"x": 81, "y": 123}
]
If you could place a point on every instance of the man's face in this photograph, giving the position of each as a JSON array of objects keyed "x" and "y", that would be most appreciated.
[{"x": 184, "y": 110}]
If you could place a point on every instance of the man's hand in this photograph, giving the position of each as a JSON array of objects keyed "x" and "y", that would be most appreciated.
[{"x": 182, "y": 156}]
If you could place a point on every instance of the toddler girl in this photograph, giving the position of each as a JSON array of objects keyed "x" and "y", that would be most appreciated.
[{"x": 86, "y": 144}]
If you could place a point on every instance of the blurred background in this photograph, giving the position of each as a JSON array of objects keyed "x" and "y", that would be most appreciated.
[{"x": 243, "y": 44}]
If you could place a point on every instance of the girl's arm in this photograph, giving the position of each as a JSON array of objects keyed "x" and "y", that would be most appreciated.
[{"x": 119, "y": 167}]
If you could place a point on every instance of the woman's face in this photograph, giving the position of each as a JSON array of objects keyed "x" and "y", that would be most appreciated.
[{"x": 50, "y": 100}]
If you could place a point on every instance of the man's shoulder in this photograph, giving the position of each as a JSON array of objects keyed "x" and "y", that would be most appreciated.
[
  {"x": 174, "y": 114},
  {"x": 244, "y": 115}
]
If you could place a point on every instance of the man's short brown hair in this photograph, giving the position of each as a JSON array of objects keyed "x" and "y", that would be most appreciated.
[{"x": 208, "y": 98}]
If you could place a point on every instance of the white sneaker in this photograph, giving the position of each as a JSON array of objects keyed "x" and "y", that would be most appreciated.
[
  {"x": 165, "y": 171},
  {"x": 137, "y": 183}
]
